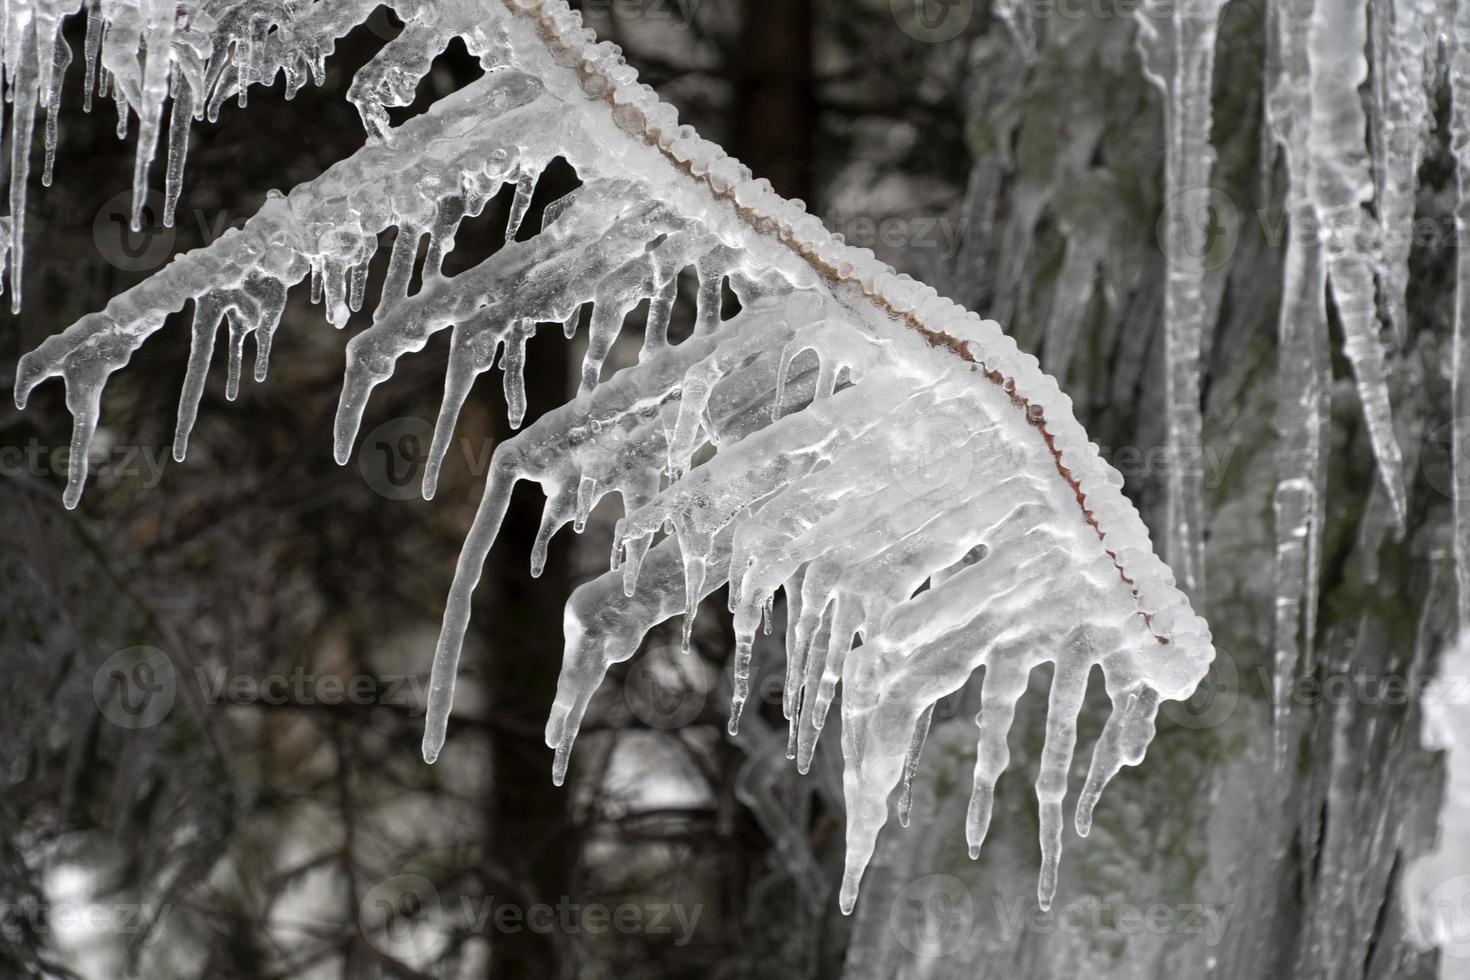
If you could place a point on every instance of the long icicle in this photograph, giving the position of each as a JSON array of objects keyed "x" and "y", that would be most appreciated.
[
  {"x": 1340, "y": 184},
  {"x": 1459, "y": 54},
  {"x": 1177, "y": 44},
  {"x": 1303, "y": 371}
]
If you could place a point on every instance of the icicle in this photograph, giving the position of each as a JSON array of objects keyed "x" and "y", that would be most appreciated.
[
  {"x": 514, "y": 367},
  {"x": 707, "y": 307},
  {"x": 1303, "y": 376},
  {"x": 1072, "y": 295},
  {"x": 1178, "y": 49},
  {"x": 660, "y": 311},
  {"x": 525, "y": 190},
  {"x": 22, "y": 125},
  {"x": 53, "y": 108},
  {"x": 157, "y": 68},
  {"x": 1339, "y": 185},
  {"x": 179, "y": 122},
  {"x": 912, "y": 448},
  {"x": 911, "y": 765},
  {"x": 208, "y": 310},
  {"x": 483, "y": 532},
  {"x": 1401, "y": 120},
  {"x": 1459, "y": 55},
  {"x": 1001, "y": 691},
  {"x": 91, "y": 51},
  {"x": 1124, "y": 738}
]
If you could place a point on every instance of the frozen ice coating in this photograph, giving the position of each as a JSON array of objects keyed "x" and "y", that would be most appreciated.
[
  {"x": 1437, "y": 884},
  {"x": 915, "y": 487},
  {"x": 1339, "y": 184},
  {"x": 1177, "y": 45},
  {"x": 1458, "y": 44},
  {"x": 1303, "y": 371}
]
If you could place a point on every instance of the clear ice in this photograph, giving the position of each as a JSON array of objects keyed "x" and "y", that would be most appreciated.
[{"x": 888, "y": 461}]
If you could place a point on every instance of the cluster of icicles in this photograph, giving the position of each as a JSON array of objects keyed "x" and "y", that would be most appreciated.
[
  {"x": 1340, "y": 160},
  {"x": 886, "y": 459}
]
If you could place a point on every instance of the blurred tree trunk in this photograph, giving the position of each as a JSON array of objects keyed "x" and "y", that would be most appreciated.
[{"x": 776, "y": 96}]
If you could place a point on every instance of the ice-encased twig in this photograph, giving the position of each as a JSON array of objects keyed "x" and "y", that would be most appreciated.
[{"x": 848, "y": 436}]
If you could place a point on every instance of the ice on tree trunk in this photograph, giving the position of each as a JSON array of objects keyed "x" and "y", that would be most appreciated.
[
  {"x": 1437, "y": 885},
  {"x": 847, "y": 440}
]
